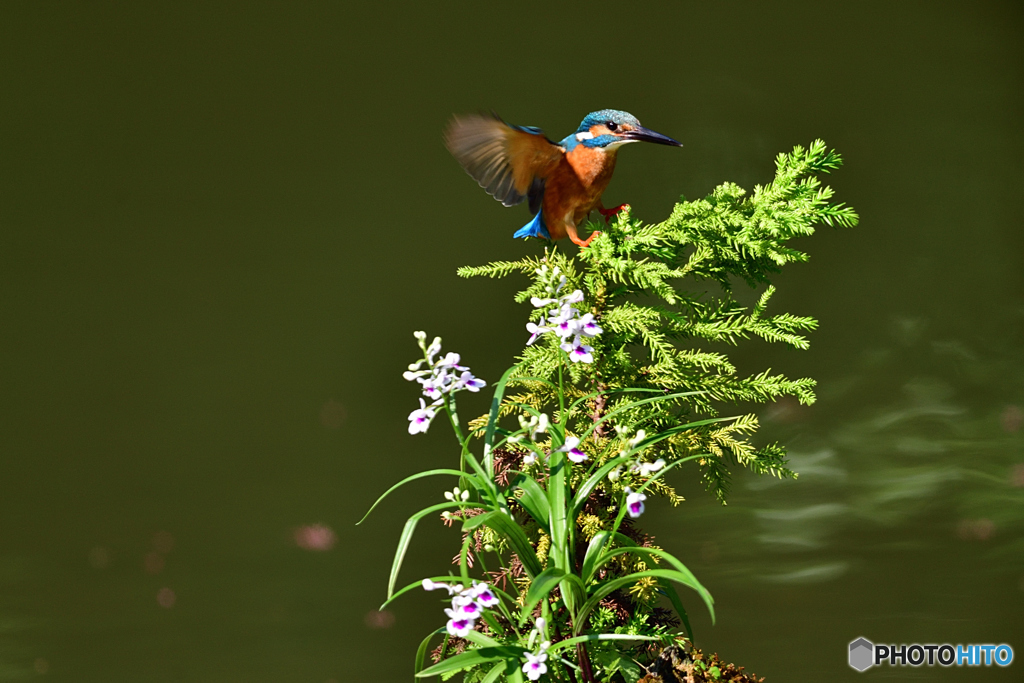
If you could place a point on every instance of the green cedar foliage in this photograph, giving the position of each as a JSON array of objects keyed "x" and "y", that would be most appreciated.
[{"x": 645, "y": 285}]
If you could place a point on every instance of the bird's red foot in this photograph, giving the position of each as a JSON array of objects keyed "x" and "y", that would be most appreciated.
[
  {"x": 608, "y": 213},
  {"x": 586, "y": 243}
]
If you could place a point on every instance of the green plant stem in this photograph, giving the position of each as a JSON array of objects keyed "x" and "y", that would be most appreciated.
[
  {"x": 449, "y": 408},
  {"x": 561, "y": 389}
]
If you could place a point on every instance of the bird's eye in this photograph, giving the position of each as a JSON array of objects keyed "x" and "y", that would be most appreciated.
[{"x": 611, "y": 126}]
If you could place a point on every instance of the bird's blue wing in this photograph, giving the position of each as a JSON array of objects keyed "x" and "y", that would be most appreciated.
[{"x": 510, "y": 162}]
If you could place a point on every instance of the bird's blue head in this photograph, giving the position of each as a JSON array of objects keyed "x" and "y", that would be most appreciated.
[{"x": 610, "y": 128}]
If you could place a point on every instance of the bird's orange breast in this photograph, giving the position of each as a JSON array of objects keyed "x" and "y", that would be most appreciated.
[
  {"x": 575, "y": 186},
  {"x": 592, "y": 165}
]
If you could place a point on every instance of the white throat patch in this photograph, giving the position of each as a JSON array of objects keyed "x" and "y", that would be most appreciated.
[{"x": 586, "y": 135}]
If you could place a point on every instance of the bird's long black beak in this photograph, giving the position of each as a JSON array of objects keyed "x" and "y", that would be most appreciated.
[{"x": 647, "y": 135}]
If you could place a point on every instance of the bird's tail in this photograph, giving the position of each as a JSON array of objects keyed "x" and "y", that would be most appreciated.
[{"x": 535, "y": 228}]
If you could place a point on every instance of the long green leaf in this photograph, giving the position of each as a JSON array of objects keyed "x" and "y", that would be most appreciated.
[
  {"x": 495, "y": 673},
  {"x": 592, "y": 555},
  {"x": 406, "y": 537},
  {"x": 493, "y": 623},
  {"x": 471, "y": 658},
  {"x": 492, "y": 419},
  {"x": 486, "y": 484},
  {"x": 544, "y": 583},
  {"x": 505, "y": 526},
  {"x": 606, "y": 588},
  {"x": 464, "y": 559},
  {"x": 482, "y": 640},
  {"x": 573, "y": 592},
  {"x": 562, "y": 530},
  {"x": 569, "y": 642},
  {"x": 677, "y": 603},
  {"x": 560, "y": 524},
  {"x": 667, "y": 557},
  {"x": 534, "y": 500},
  {"x": 419, "y": 584},
  {"x": 428, "y": 473},
  {"x": 585, "y": 489},
  {"x": 421, "y": 651}
]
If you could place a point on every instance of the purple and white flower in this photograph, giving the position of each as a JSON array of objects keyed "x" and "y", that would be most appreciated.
[
  {"x": 458, "y": 624},
  {"x": 578, "y": 351},
  {"x": 563, "y": 323},
  {"x": 535, "y": 331},
  {"x": 535, "y": 666},
  {"x": 468, "y": 604},
  {"x": 572, "y": 450},
  {"x": 469, "y": 382},
  {"x": 485, "y": 597},
  {"x": 419, "y": 420},
  {"x": 634, "y": 503},
  {"x": 587, "y": 327}
]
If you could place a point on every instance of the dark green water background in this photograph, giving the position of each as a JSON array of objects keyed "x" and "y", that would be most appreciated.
[{"x": 220, "y": 224}]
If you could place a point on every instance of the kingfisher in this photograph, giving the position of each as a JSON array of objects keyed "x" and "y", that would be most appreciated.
[{"x": 563, "y": 181}]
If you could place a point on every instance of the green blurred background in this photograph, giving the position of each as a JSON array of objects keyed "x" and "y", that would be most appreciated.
[{"x": 221, "y": 222}]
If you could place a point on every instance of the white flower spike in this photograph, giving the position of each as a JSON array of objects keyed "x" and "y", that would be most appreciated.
[
  {"x": 563, "y": 319},
  {"x": 437, "y": 379}
]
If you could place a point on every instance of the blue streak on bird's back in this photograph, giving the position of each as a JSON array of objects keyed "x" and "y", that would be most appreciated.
[{"x": 569, "y": 143}]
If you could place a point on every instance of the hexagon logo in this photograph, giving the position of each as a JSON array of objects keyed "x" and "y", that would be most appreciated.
[{"x": 862, "y": 654}]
